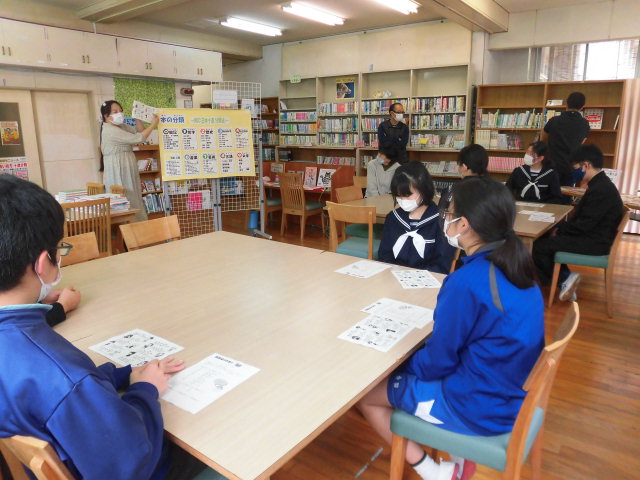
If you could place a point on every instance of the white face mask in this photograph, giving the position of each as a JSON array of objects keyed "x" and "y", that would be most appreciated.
[
  {"x": 45, "y": 288},
  {"x": 380, "y": 160},
  {"x": 117, "y": 118},
  {"x": 398, "y": 116},
  {"x": 408, "y": 205},
  {"x": 528, "y": 160},
  {"x": 453, "y": 241}
]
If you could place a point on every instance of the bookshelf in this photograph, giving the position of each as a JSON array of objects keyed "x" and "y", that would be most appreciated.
[
  {"x": 297, "y": 118},
  {"x": 270, "y": 127},
  {"x": 150, "y": 179}
]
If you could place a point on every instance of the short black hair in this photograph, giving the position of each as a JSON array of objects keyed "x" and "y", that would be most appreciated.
[
  {"x": 31, "y": 221},
  {"x": 413, "y": 174},
  {"x": 475, "y": 157},
  {"x": 393, "y": 106},
  {"x": 588, "y": 153},
  {"x": 390, "y": 152},
  {"x": 576, "y": 100},
  {"x": 541, "y": 149}
]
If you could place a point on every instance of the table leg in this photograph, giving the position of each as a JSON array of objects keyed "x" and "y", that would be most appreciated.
[{"x": 528, "y": 242}]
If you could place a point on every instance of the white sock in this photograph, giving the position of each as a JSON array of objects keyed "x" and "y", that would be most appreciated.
[
  {"x": 430, "y": 470},
  {"x": 458, "y": 461}
]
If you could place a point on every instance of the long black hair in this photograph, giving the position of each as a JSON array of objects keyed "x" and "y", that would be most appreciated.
[
  {"x": 541, "y": 149},
  {"x": 413, "y": 174},
  {"x": 105, "y": 111},
  {"x": 490, "y": 210}
]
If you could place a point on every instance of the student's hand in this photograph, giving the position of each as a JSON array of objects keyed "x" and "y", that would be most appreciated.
[
  {"x": 69, "y": 298},
  {"x": 52, "y": 297},
  {"x": 155, "y": 121},
  {"x": 151, "y": 373},
  {"x": 171, "y": 365}
]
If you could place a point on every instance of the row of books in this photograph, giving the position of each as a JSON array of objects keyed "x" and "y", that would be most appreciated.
[
  {"x": 526, "y": 119},
  {"x": 364, "y": 160},
  {"x": 370, "y": 107},
  {"x": 505, "y": 163},
  {"x": 296, "y": 140},
  {"x": 345, "y": 124},
  {"x": 298, "y": 128},
  {"x": 147, "y": 164},
  {"x": 371, "y": 123},
  {"x": 433, "y": 140},
  {"x": 441, "y": 185},
  {"x": 268, "y": 153},
  {"x": 439, "y": 121},
  {"x": 270, "y": 138},
  {"x": 337, "y": 138},
  {"x": 337, "y": 108},
  {"x": 154, "y": 202},
  {"x": 440, "y": 104},
  {"x": 323, "y": 160},
  {"x": 493, "y": 140},
  {"x": 150, "y": 185},
  {"x": 370, "y": 139},
  {"x": 298, "y": 116},
  {"x": 443, "y": 168},
  {"x": 262, "y": 124}
]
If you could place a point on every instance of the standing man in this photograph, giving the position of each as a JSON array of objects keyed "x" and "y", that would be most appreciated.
[
  {"x": 393, "y": 133},
  {"x": 564, "y": 134}
]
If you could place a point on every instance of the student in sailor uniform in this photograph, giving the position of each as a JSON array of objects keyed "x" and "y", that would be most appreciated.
[
  {"x": 412, "y": 234},
  {"x": 536, "y": 180},
  {"x": 488, "y": 333},
  {"x": 473, "y": 161}
]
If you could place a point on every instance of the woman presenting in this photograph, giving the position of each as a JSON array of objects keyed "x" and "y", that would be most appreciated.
[{"x": 119, "y": 162}]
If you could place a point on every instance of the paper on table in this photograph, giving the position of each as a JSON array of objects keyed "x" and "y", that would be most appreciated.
[
  {"x": 206, "y": 381},
  {"x": 536, "y": 212},
  {"x": 136, "y": 348},
  {"x": 143, "y": 112},
  {"x": 376, "y": 332},
  {"x": 414, "y": 315},
  {"x": 416, "y": 279},
  {"x": 529, "y": 204},
  {"x": 363, "y": 269},
  {"x": 542, "y": 218}
]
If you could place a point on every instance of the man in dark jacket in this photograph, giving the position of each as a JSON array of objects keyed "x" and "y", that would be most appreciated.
[
  {"x": 393, "y": 133},
  {"x": 590, "y": 231}
]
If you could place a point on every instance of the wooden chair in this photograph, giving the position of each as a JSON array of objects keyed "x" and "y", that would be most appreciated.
[
  {"x": 144, "y": 234},
  {"x": 117, "y": 189},
  {"x": 38, "y": 456},
  {"x": 95, "y": 188},
  {"x": 271, "y": 204},
  {"x": 85, "y": 247},
  {"x": 506, "y": 452},
  {"x": 359, "y": 182},
  {"x": 90, "y": 216},
  {"x": 294, "y": 203},
  {"x": 349, "y": 194},
  {"x": 456, "y": 257},
  {"x": 354, "y": 246},
  {"x": 606, "y": 262}
]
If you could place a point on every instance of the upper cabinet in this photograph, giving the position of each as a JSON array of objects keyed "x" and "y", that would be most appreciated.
[
  {"x": 198, "y": 65},
  {"x": 22, "y": 44},
  {"x": 73, "y": 50}
]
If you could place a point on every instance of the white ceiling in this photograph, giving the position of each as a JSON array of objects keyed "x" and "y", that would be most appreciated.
[{"x": 513, "y": 6}]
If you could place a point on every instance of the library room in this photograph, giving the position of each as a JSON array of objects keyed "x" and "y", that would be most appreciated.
[{"x": 319, "y": 239}]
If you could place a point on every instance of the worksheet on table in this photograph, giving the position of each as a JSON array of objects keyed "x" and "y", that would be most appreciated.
[
  {"x": 413, "y": 315},
  {"x": 363, "y": 269},
  {"x": 135, "y": 348}
]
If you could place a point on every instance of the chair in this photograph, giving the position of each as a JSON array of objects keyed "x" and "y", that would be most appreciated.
[
  {"x": 90, "y": 216},
  {"x": 294, "y": 203},
  {"x": 506, "y": 452},
  {"x": 349, "y": 194},
  {"x": 117, "y": 189},
  {"x": 454, "y": 261},
  {"x": 360, "y": 182},
  {"x": 144, "y": 234},
  {"x": 85, "y": 247},
  {"x": 271, "y": 204},
  {"x": 95, "y": 188},
  {"x": 38, "y": 456},
  {"x": 607, "y": 262},
  {"x": 354, "y": 246}
]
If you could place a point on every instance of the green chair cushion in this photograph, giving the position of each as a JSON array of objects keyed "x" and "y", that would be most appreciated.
[
  {"x": 490, "y": 451},
  {"x": 272, "y": 202},
  {"x": 314, "y": 205},
  {"x": 358, "y": 247},
  {"x": 362, "y": 230},
  {"x": 209, "y": 474},
  {"x": 568, "y": 258}
]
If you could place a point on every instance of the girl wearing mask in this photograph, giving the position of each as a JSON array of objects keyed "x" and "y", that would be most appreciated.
[
  {"x": 536, "y": 180},
  {"x": 380, "y": 171},
  {"x": 488, "y": 333},
  {"x": 412, "y": 235},
  {"x": 118, "y": 161}
]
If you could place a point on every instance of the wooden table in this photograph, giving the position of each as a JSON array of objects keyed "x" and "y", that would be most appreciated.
[
  {"x": 383, "y": 203},
  {"x": 630, "y": 201},
  {"x": 275, "y": 306}
]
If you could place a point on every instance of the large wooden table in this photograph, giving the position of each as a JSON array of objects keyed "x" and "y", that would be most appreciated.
[
  {"x": 629, "y": 200},
  {"x": 275, "y": 306}
]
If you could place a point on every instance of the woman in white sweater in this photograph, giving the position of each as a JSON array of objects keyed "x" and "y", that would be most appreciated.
[{"x": 380, "y": 171}]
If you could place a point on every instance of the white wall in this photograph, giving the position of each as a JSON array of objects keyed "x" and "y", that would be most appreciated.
[
  {"x": 265, "y": 71},
  {"x": 507, "y": 66}
]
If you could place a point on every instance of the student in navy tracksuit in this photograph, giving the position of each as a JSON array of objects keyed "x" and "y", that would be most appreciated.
[
  {"x": 412, "y": 235},
  {"x": 536, "y": 180},
  {"x": 468, "y": 377}
]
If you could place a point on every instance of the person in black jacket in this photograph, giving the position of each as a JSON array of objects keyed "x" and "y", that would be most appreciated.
[
  {"x": 536, "y": 180},
  {"x": 393, "y": 133},
  {"x": 590, "y": 231},
  {"x": 473, "y": 161}
]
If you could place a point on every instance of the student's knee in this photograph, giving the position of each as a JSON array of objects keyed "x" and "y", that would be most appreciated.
[{"x": 377, "y": 397}]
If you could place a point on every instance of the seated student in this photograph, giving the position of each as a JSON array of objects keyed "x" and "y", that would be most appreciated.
[
  {"x": 468, "y": 377},
  {"x": 412, "y": 234},
  {"x": 62, "y": 302},
  {"x": 473, "y": 161},
  {"x": 590, "y": 231},
  {"x": 380, "y": 171},
  {"x": 50, "y": 389},
  {"x": 536, "y": 180}
]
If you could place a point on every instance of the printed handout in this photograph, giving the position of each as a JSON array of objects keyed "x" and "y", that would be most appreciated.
[
  {"x": 416, "y": 279},
  {"x": 363, "y": 269},
  {"x": 136, "y": 348},
  {"x": 377, "y": 332},
  {"x": 413, "y": 315}
]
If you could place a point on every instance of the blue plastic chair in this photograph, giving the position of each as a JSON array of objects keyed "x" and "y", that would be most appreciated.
[{"x": 507, "y": 452}]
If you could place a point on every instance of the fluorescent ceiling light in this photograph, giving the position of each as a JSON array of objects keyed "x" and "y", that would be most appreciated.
[
  {"x": 403, "y": 6},
  {"x": 248, "y": 26},
  {"x": 312, "y": 13}
]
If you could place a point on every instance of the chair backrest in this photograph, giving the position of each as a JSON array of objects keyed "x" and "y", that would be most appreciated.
[
  {"x": 348, "y": 194},
  {"x": 90, "y": 216},
  {"x": 38, "y": 456},
  {"x": 292, "y": 192},
  {"x": 117, "y": 189},
  {"x": 144, "y": 234},
  {"x": 85, "y": 247},
  {"x": 341, "y": 214},
  {"x": 360, "y": 182},
  {"x": 538, "y": 388},
  {"x": 616, "y": 241},
  {"x": 95, "y": 188}
]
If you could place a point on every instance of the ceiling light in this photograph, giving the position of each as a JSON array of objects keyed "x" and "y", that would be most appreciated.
[
  {"x": 403, "y": 6},
  {"x": 248, "y": 26},
  {"x": 312, "y": 13}
]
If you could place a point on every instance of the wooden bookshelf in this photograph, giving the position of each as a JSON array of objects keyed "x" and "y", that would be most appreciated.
[{"x": 149, "y": 151}]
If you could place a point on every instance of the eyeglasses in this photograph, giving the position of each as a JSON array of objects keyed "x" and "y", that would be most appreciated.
[{"x": 65, "y": 248}]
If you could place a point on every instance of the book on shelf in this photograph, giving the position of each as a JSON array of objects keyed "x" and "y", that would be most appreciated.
[
  {"x": 302, "y": 140},
  {"x": 433, "y": 140},
  {"x": 324, "y": 177},
  {"x": 337, "y": 139},
  {"x": 154, "y": 202},
  {"x": 310, "y": 176},
  {"x": 365, "y": 159},
  {"x": 381, "y": 107},
  {"x": 148, "y": 186},
  {"x": 505, "y": 164},
  {"x": 615, "y": 125},
  {"x": 337, "y": 108},
  {"x": 308, "y": 116},
  {"x": 438, "y": 121},
  {"x": 146, "y": 164},
  {"x": 526, "y": 119},
  {"x": 549, "y": 114},
  {"x": 442, "y": 185},
  {"x": 298, "y": 128},
  {"x": 345, "y": 124},
  {"x": 594, "y": 117},
  {"x": 443, "y": 168},
  {"x": 441, "y": 104},
  {"x": 327, "y": 160},
  {"x": 371, "y": 124}
]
